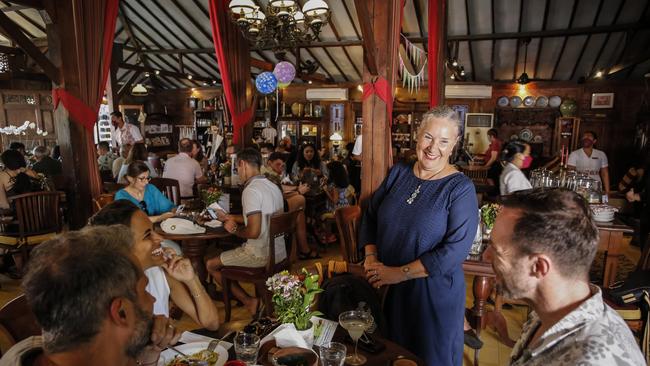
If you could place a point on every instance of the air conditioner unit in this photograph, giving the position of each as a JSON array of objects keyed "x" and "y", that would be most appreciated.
[
  {"x": 468, "y": 91},
  {"x": 327, "y": 94},
  {"x": 476, "y": 128}
]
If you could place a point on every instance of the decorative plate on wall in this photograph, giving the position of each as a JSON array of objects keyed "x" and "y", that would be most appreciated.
[
  {"x": 541, "y": 102},
  {"x": 538, "y": 139},
  {"x": 529, "y": 101},
  {"x": 554, "y": 101},
  {"x": 526, "y": 134},
  {"x": 515, "y": 102},
  {"x": 503, "y": 101}
]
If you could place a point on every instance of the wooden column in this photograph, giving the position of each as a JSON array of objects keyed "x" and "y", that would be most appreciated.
[
  {"x": 76, "y": 142},
  {"x": 111, "y": 84},
  {"x": 380, "y": 24}
]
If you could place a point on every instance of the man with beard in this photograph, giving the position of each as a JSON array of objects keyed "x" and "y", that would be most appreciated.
[
  {"x": 542, "y": 246},
  {"x": 591, "y": 161},
  {"x": 87, "y": 293}
]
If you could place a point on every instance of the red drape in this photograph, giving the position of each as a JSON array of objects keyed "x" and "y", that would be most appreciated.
[
  {"x": 434, "y": 49},
  {"x": 85, "y": 112},
  {"x": 219, "y": 24}
]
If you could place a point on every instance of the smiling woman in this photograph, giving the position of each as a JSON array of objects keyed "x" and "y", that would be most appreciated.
[{"x": 415, "y": 233}]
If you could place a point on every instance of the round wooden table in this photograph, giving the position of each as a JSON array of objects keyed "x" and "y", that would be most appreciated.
[{"x": 194, "y": 246}]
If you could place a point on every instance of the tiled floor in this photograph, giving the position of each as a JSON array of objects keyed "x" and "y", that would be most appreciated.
[{"x": 493, "y": 352}]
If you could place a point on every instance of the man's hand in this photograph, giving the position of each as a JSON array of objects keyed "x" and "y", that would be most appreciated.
[
  {"x": 631, "y": 196},
  {"x": 230, "y": 225},
  {"x": 163, "y": 334}
]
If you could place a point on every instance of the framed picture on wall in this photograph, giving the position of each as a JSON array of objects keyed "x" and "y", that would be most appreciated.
[{"x": 602, "y": 100}]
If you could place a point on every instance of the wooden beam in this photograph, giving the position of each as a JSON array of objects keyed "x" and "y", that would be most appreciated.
[
  {"x": 630, "y": 63},
  {"x": 469, "y": 43},
  {"x": 369, "y": 47},
  {"x": 420, "y": 19},
  {"x": 559, "y": 56},
  {"x": 164, "y": 72},
  {"x": 10, "y": 8},
  {"x": 345, "y": 51},
  {"x": 493, "y": 26},
  {"x": 35, "y": 4},
  {"x": 584, "y": 45},
  {"x": 347, "y": 11},
  {"x": 127, "y": 86},
  {"x": 27, "y": 19},
  {"x": 320, "y": 63},
  {"x": 16, "y": 35},
  {"x": 547, "y": 6},
  {"x": 268, "y": 66},
  {"x": 602, "y": 46},
  {"x": 521, "y": 15}
]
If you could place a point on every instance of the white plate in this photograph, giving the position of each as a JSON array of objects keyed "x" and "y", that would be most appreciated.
[
  {"x": 515, "y": 102},
  {"x": 503, "y": 101},
  {"x": 529, "y": 101},
  {"x": 191, "y": 348},
  {"x": 603, "y": 220},
  {"x": 542, "y": 101},
  {"x": 554, "y": 101},
  {"x": 526, "y": 134}
]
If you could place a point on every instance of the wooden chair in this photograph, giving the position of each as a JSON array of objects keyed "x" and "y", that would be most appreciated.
[
  {"x": 477, "y": 174},
  {"x": 112, "y": 187},
  {"x": 39, "y": 220},
  {"x": 102, "y": 200},
  {"x": 347, "y": 222},
  {"x": 17, "y": 322},
  {"x": 280, "y": 224},
  {"x": 169, "y": 187}
]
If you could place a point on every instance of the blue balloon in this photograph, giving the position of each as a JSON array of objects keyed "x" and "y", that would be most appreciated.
[{"x": 266, "y": 82}]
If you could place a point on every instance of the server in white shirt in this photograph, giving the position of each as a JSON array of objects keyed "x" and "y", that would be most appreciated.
[
  {"x": 124, "y": 133},
  {"x": 514, "y": 156},
  {"x": 591, "y": 161}
]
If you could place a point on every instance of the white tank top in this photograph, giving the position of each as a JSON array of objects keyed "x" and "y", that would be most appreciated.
[{"x": 159, "y": 289}]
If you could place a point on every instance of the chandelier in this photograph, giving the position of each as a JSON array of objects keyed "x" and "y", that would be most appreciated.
[{"x": 282, "y": 25}]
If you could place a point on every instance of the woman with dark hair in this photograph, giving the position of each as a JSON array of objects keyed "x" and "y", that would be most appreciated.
[
  {"x": 138, "y": 153},
  {"x": 145, "y": 195},
  {"x": 515, "y": 156},
  {"x": 16, "y": 178},
  {"x": 339, "y": 191},
  {"x": 308, "y": 163}
]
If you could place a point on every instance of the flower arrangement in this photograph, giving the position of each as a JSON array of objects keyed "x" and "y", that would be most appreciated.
[
  {"x": 293, "y": 297},
  {"x": 489, "y": 213},
  {"x": 225, "y": 169},
  {"x": 211, "y": 195}
]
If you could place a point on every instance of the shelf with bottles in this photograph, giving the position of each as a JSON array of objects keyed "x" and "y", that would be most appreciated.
[{"x": 404, "y": 129}]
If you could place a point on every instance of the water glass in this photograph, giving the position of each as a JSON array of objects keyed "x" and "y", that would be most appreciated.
[
  {"x": 247, "y": 346},
  {"x": 332, "y": 354}
]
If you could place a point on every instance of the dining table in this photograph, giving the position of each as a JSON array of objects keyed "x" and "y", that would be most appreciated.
[{"x": 391, "y": 352}]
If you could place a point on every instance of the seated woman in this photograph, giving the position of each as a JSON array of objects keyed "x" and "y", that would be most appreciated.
[
  {"x": 138, "y": 152},
  {"x": 16, "y": 179},
  {"x": 308, "y": 167},
  {"x": 340, "y": 193},
  {"x": 145, "y": 195},
  {"x": 170, "y": 276},
  {"x": 515, "y": 156}
]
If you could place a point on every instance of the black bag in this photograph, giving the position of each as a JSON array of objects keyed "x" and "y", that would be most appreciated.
[
  {"x": 344, "y": 292},
  {"x": 631, "y": 291}
]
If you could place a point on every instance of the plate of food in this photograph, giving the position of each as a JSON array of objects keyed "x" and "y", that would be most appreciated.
[{"x": 197, "y": 351}]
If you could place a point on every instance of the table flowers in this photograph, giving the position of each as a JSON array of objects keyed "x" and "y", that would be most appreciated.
[
  {"x": 293, "y": 298},
  {"x": 210, "y": 195}
]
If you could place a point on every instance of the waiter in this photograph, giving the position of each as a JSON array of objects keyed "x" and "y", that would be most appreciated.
[{"x": 591, "y": 161}]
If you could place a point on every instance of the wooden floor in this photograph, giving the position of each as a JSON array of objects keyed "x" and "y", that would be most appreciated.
[{"x": 493, "y": 352}]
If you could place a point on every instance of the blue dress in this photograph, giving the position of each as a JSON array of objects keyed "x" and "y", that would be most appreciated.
[
  {"x": 425, "y": 315},
  {"x": 155, "y": 203}
]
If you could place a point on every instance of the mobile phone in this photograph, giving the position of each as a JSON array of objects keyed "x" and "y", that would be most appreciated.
[
  {"x": 212, "y": 213},
  {"x": 179, "y": 209}
]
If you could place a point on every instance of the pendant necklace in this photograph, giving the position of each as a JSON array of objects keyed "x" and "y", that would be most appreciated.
[{"x": 416, "y": 192}]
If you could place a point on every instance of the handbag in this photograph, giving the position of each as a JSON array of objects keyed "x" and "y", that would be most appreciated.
[{"x": 631, "y": 291}]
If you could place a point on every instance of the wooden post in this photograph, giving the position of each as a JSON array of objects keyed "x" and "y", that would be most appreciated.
[
  {"x": 111, "y": 84},
  {"x": 383, "y": 17}
]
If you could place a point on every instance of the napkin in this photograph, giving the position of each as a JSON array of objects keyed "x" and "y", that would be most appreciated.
[
  {"x": 286, "y": 336},
  {"x": 181, "y": 226},
  {"x": 213, "y": 224},
  {"x": 189, "y": 337},
  {"x": 216, "y": 206}
]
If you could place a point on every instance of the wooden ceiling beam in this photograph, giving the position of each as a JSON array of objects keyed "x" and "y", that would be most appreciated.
[
  {"x": 35, "y": 4},
  {"x": 493, "y": 42},
  {"x": 369, "y": 47},
  {"x": 602, "y": 46},
  {"x": 268, "y": 66},
  {"x": 347, "y": 11},
  {"x": 15, "y": 33},
  {"x": 469, "y": 43},
  {"x": 547, "y": 6},
  {"x": 345, "y": 51},
  {"x": 126, "y": 86},
  {"x": 521, "y": 15},
  {"x": 584, "y": 45},
  {"x": 418, "y": 11},
  {"x": 559, "y": 56},
  {"x": 179, "y": 75},
  {"x": 331, "y": 78}
]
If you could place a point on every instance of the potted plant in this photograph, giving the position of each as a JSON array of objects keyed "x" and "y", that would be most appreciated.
[
  {"x": 489, "y": 213},
  {"x": 293, "y": 298},
  {"x": 210, "y": 195}
]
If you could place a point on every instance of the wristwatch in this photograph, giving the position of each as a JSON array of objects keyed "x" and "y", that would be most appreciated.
[{"x": 407, "y": 272}]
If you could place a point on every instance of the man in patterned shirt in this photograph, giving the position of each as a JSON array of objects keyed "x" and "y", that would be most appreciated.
[{"x": 542, "y": 246}]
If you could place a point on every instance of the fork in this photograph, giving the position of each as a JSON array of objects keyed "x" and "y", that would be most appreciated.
[{"x": 214, "y": 343}]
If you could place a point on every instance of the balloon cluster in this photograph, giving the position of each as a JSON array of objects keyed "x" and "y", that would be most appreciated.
[{"x": 282, "y": 75}]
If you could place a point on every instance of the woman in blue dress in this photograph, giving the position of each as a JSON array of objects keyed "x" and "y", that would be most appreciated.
[
  {"x": 145, "y": 195},
  {"x": 416, "y": 233}
]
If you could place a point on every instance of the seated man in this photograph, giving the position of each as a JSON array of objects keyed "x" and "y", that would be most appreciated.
[
  {"x": 87, "y": 293},
  {"x": 168, "y": 278},
  {"x": 105, "y": 157},
  {"x": 44, "y": 163},
  {"x": 542, "y": 246},
  {"x": 185, "y": 169},
  {"x": 274, "y": 170},
  {"x": 261, "y": 199}
]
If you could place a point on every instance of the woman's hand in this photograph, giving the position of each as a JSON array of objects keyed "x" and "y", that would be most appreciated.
[
  {"x": 179, "y": 268},
  {"x": 379, "y": 275},
  {"x": 303, "y": 188},
  {"x": 163, "y": 334}
]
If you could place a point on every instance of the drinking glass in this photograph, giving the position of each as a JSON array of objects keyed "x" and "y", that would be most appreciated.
[
  {"x": 332, "y": 354},
  {"x": 355, "y": 322},
  {"x": 247, "y": 346}
]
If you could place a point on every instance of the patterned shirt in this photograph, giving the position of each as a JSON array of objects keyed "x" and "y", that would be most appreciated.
[
  {"x": 591, "y": 335},
  {"x": 105, "y": 161}
]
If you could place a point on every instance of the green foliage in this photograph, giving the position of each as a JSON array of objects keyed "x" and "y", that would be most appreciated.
[
  {"x": 489, "y": 214},
  {"x": 293, "y": 297}
]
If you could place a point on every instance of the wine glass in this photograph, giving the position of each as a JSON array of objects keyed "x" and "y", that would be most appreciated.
[{"x": 355, "y": 322}]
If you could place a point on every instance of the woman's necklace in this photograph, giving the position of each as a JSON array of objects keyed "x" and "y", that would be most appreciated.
[
  {"x": 416, "y": 192},
  {"x": 135, "y": 193}
]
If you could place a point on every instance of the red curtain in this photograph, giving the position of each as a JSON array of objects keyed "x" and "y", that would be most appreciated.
[
  {"x": 94, "y": 47},
  {"x": 234, "y": 64},
  {"x": 434, "y": 49}
]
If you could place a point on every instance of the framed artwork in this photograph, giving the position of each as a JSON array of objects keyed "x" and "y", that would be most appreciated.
[{"x": 602, "y": 100}]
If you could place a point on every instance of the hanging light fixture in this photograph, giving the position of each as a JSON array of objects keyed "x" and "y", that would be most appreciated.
[
  {"x": 139, "y": 90},
  {"x": 523, "y": 79},
  {"x": 282, "y": 24}
]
